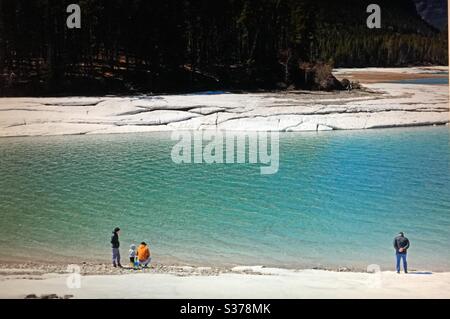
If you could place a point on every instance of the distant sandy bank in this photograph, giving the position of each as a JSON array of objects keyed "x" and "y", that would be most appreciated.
[
  {"x": 378, "y": 105},
  {"x": 379, "y": 75}
]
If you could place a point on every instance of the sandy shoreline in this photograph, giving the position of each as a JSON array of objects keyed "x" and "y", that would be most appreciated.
[
  {"x": 378, "y": 75},
  {"x": 378, "y": 105},
  {"x": 90, "y": 268},
  {"x": 206, "y": 282}
]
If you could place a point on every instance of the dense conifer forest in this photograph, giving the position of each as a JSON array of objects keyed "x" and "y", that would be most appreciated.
[{"x": 131, "y": 46}]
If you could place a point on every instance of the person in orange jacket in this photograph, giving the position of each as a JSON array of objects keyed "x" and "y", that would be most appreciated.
[{"x": 144, "y": 254}]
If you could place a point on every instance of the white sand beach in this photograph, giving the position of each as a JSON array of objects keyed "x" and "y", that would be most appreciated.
[
  {"x": 378, "y": 105},
  {"x": 241, "y": 282}
]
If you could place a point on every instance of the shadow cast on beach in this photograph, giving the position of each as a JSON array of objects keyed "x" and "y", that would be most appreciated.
[{"x": 420, "y": 273}]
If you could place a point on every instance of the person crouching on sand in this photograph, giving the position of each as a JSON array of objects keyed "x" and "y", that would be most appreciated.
[
  {"x": 144, "y": 254},
  {"x": 115, "y": 247},
  {"x": 401, "y": 245}
]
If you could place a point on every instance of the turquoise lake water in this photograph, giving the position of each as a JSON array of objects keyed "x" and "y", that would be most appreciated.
[{"x": 338, "y": 199}]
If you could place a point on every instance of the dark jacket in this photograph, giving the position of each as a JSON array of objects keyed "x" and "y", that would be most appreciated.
[
  {"x": 401, "y": 242},
  {"x": 115, "y": 240}
]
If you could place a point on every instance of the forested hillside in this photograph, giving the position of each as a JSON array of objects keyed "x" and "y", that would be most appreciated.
[
  {"x": 183, "y": 45},
  {"x": 433, "y": 11}
]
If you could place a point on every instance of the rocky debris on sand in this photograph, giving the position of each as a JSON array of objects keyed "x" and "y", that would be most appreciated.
[{"x": 48, "y": 296}]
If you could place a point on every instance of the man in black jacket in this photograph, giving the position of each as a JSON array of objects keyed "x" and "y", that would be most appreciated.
[
  {"x": 115, "y": 247},
  {"x": 401, "y": 245}
]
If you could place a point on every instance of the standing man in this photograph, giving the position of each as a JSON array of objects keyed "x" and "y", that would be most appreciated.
[
  {"x": 401, "y": 245},
  {"x": 115, "y": 247}
]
